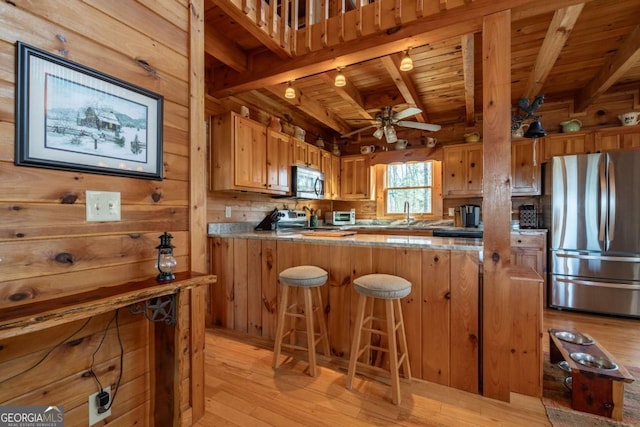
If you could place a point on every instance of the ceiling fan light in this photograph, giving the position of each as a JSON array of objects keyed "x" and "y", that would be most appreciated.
[
  {"x": 378, "y": 133},
  {"x": 340, "y": 79},
  {"x": 407, "y": 63},
  {"x": 290, "y": 92},
  {"x": 390, "y": 134}
]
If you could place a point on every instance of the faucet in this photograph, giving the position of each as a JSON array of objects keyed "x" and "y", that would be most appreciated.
[{"x": 406, "y": 209}]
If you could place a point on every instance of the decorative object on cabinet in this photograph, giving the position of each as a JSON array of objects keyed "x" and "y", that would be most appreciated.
[
  {"x": 244, "y": 111},
  {"x": 299, "y": 133},
  {"x": 472, "y": 137},
  {"x": 401, "y": 144},
  {"x": 367, "y": 149},
  {"x": 431, "y": 142},
  {"x": 572, "y": 125},
  {"x": 319, "y": 142},
  {"x": 63, "y": 122},
  {"x": 336, "y": 149},
  {"x": 166, "y": 261},
  {"x": 629, "y": 119},
  {"x": 274, "y": 123},
  {"x": 535, "y": 129},
  {"x": 519, "y": 132}
]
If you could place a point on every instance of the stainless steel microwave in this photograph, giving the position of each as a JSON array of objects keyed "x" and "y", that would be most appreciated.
[{"x": 307, "y": 183}]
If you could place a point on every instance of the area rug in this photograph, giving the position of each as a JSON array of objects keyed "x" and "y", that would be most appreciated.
[{"x": 557, "y": 401}]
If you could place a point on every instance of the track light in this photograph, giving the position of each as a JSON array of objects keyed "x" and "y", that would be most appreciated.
[
  {"x": 378, "y": 133},
  {"x": 290, "y": 92},
  {"x": 390, "y": 134},
  {"x": 340, "y": 79},
  {"x": 407, "y": 63}
]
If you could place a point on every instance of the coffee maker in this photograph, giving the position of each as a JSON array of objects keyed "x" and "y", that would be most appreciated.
[{"x": 470, "y": 215}]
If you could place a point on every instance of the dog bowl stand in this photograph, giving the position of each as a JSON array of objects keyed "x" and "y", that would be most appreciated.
[{"x": 594, "y": 390}]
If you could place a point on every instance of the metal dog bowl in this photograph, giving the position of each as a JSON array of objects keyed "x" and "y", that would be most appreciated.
[
  {"x": 593, "y": 361},
  {"x": 568, "y": 383},
  {"x": 574, "y": 337},
  {"x": 564, "y": 365}
]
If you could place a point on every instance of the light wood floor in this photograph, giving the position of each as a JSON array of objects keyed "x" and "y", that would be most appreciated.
[{"x": 243, "y": 390}]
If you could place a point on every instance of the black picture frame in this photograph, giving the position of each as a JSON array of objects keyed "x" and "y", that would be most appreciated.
[{"x": 73, "y": 118}]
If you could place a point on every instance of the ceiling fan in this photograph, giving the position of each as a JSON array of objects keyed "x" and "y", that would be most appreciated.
[{"x": 387, "y": 118}]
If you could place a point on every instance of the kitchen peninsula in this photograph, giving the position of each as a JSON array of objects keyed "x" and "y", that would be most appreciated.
[{"x": 441, "y": 313}]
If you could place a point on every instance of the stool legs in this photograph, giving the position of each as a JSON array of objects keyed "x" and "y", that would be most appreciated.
[
  {"x": 395, "y": 337},
  {"x": 283, "y": 312}
]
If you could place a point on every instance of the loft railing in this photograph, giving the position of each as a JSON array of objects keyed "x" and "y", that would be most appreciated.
[{"x": 296, "y": 27}]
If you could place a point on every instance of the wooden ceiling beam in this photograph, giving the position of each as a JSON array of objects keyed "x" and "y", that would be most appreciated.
[
  {"x": 269, "y": 71},
  {"x": 348, "y": 92},
  {"x": 626, "y": 57},
  {"x": 223, "y": 49},
  {"x": 248, "y": 19},
  {"x": 404, "y": 84},
  {"x": 557, "y": 34},
  {"x": 312, "y": 108},
  {"x": 468, "y": 70}
]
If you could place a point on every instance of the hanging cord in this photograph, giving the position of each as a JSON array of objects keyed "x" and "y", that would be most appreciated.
[
  {"x": 47, "y": 353},
  {"x": 93, "y": 358}
]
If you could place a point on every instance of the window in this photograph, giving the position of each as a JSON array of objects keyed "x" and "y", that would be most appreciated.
[{"x": 412, "y": 183}]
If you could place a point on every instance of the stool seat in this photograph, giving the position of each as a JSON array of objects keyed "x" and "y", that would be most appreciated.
[
  {"x": 304, "y": 275},
  {"x": 385, "y": 286}
]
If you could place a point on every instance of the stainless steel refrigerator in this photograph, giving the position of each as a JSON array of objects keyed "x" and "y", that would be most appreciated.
[{"x": 591, "y": 206}]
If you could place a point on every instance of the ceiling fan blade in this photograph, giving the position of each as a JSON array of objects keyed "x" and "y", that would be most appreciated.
[
  {"x": 418, "y": 125},
  {"x": 345, "y": 135},
  {"x": 411, "y": 111}
]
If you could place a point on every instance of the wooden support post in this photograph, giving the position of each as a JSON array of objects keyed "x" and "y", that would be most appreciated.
[{"x": 496, "y": 204}]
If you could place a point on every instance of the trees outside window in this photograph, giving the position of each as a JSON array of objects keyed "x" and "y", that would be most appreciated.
[{"x": 409, "y": 182}]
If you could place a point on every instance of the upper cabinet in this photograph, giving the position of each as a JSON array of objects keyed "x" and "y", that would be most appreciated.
[
  {"x": 355, "y": 177},
  {"x": 525, "y": 167},
  {"x": 566, "y": 143},
  {"x": 305, "y": 154},
  {"x": 245, "y": 158},
  {"x": 462, "y": 170},
  {"x": 618, "y": 138},
  {"x": 330, "y": 166}
]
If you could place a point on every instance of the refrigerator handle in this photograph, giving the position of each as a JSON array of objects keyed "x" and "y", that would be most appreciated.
[
  {"x": 611, "y": 214},
  {"x": 603, "y": 204}
]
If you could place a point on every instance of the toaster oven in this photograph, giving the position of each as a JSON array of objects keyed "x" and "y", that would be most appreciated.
[{"x": 341, "y": 217}]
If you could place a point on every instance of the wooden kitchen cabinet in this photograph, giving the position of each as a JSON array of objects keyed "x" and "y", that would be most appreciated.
[
  {"x": 462, "y": 170},
  {"x": 529, "y": 249},
  {"x": 279, "y": 151},
  {"x": 618, "y": 138},
  {"x": 566, "y": 143},
  {"x": 355, "y": 177},
  {"x": 330, "y": 166},
  {"x": 245, "y": 158},
  {"x": 525, "y": 167},
  {"x": 305, "y": 154}
]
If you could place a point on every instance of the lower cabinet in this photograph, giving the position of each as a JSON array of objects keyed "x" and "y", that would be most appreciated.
[
  {"x": 440, "y": 314},
  {"x": 529, "y": 249}
]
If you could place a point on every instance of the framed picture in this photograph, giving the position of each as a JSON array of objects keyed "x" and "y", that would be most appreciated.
[{"x": 74, "y": 118}]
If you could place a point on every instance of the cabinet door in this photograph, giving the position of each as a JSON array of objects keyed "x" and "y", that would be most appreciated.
[
  {"x": 250, "y": 154},
  {"x": 279, "y": 150},
  {"x": 314, "y": 156},
  {"x": 299, "y": 156},
  {"x": 325, "y": 168},
  {"x": 566, "y": 143},
  {"x": 525, "y": 169},
  {"x": 454, "y": 172},
  {"x": 355, "y": 177},
  {"x": 335, "y": 177},
  {"x": 474, "y": 171},
  {"x": 617, "y": 139}
]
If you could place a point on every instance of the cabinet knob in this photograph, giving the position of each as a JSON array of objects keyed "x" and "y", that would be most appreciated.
[{"x": 519, "y": 241}]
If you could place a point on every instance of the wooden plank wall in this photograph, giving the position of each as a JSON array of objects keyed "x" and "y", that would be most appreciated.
[{"x": 43, "y": 211}]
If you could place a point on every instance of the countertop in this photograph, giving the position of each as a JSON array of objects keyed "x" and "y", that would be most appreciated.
[{"x": 420, "y": 242}]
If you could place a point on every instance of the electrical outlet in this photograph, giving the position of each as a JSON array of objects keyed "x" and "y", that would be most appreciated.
[
  {"x": 94, "y": 415},
  {"x": 103, "y": 205},
  {"x": 227, "y": 211}
]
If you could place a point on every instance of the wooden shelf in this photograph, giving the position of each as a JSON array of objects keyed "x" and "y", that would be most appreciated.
[{"x": 26, "y": 318}]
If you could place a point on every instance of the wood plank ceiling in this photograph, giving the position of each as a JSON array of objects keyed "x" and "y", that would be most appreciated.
[{"x": 575, "y": 53}]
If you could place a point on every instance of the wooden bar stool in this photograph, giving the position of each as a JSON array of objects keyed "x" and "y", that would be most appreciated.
[
  {"x": 391, "y": 289},
  {"x": 308, "y": 278}
]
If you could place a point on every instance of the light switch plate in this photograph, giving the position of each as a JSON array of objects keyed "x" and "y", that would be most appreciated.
[{"x": 103, "y": 206}]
